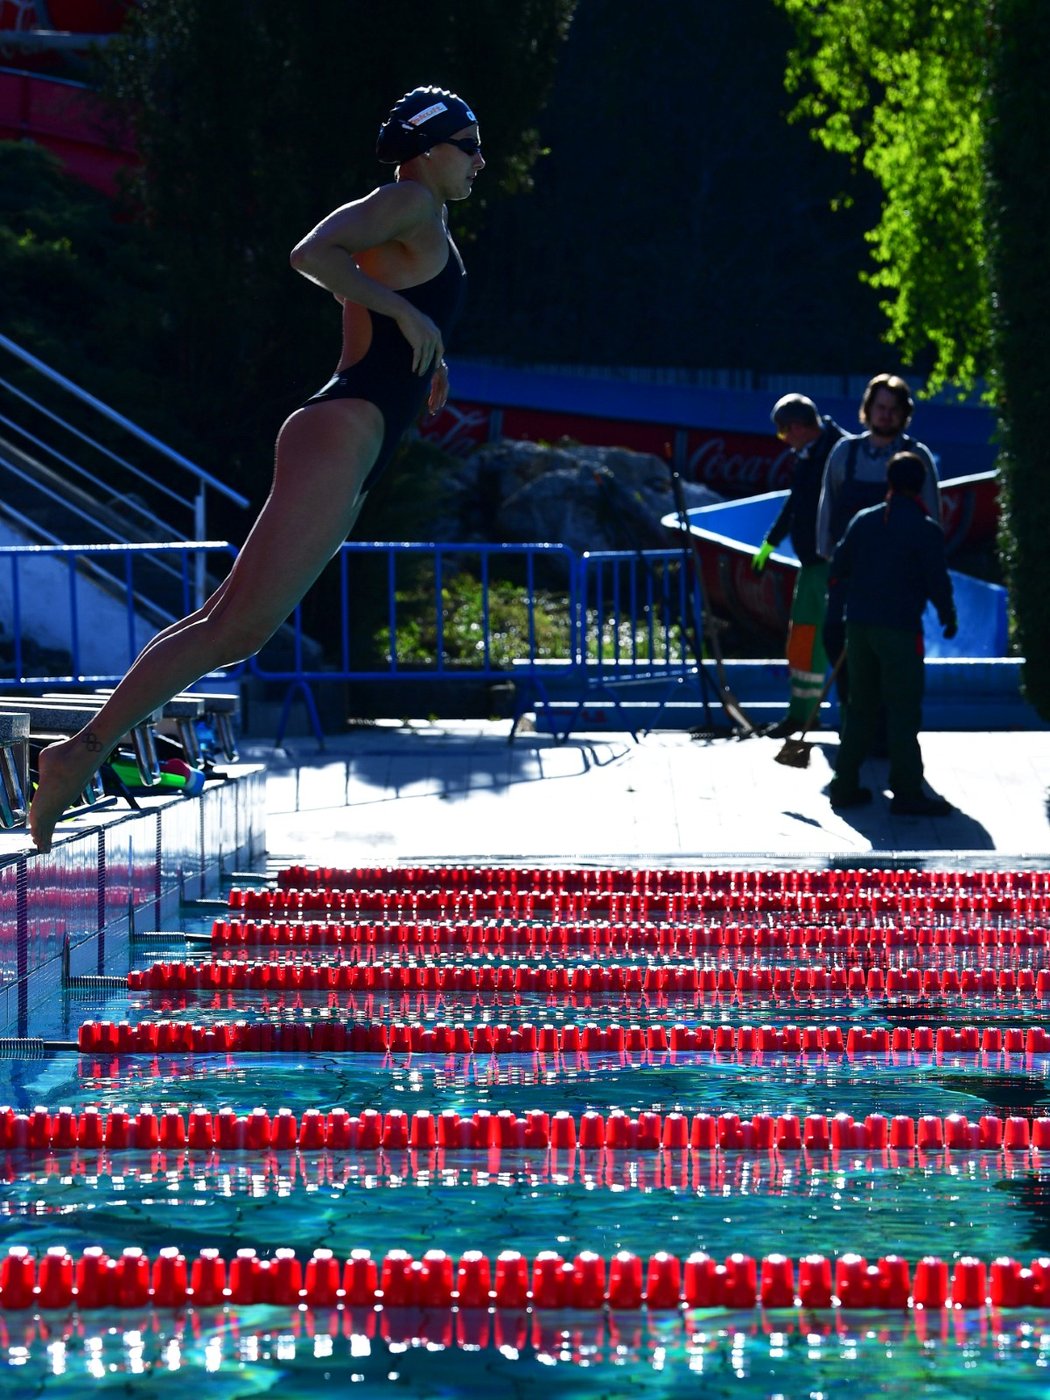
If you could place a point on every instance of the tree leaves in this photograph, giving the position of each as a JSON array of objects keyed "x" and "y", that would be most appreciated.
[{"x": 901, "y": 93}]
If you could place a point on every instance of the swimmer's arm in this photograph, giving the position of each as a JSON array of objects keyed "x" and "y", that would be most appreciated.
[{"x": 327, "y": 256}]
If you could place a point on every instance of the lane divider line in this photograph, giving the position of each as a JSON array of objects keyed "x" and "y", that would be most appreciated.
[
  {"x": 662, "y": 937},
  {"x": 536, "y": 1129},
  {"x": 573, "y": 980},
  {"x": 484, "y": 1038},
  {"x": 731, "y": 882},
  {"x": 588, "y": 1281}
]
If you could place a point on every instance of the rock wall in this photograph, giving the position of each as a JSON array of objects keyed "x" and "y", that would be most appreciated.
[{"x": 566, "y": 493}]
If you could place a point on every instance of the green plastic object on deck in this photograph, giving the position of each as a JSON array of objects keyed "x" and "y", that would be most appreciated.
[{"x": 174, "y": 776}]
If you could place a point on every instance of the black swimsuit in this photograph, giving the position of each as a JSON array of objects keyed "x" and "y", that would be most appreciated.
[{"x": 384, "y": 375}]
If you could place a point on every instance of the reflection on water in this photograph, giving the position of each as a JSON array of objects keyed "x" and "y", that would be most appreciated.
[
  {"x": 248, "y": 1351},
  {"x": 869, "y": 1203}
]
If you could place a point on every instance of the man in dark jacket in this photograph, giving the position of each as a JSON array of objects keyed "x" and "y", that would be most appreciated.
[
  {"x": 885, "y": 567},
  {"x": 810, "y": 437}
]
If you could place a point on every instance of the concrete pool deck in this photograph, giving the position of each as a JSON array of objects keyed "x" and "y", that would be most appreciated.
[{"x": 420, "y": 791}]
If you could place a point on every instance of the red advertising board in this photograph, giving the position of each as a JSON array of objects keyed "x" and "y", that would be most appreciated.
[{"x": 542, "y": 425}]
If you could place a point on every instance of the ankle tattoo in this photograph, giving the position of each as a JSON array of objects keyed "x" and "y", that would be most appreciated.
[{"x": 92, "y": 742}]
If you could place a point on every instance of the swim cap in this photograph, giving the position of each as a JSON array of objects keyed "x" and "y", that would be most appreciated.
[{"x": 419, "y": 120}]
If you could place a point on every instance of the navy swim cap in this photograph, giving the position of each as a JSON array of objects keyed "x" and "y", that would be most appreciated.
[{"x": 421, "y": 119}]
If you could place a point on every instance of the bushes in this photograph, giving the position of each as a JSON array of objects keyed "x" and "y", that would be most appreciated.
[{"x": 465, "y": 603}]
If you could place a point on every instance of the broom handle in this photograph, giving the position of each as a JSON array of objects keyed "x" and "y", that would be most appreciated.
[{"x": 811, "y": 718}]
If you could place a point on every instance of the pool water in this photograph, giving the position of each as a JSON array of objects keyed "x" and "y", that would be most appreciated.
[{"x": 872, "y": 1202}]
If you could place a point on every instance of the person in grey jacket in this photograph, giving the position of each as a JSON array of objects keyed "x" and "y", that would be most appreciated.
[
  {"x": 855, "y": 475},
  {"x": 887, "y": 565}
]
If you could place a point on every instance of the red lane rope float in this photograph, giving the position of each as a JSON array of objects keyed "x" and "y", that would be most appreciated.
[
  {"x": 664, "y": 937},
  {"x": 588, "y": 1281},
  {"x": 573, "y": 905},
  {"x": 536, "y": 1129},
  {"x": 378, "y": 1037},
  {"x": 574, "y": 980},
  {"x": 1003, "y": 885}
]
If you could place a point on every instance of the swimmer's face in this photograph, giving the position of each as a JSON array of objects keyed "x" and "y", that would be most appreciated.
[{"x": 462, "y": 160}]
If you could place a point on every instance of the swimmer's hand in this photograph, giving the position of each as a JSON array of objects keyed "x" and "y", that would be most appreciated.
[
  {"x": 438, "y": 396},
  {"x": 424, "y": 338}
]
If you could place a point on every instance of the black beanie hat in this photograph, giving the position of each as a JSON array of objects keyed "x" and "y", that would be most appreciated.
[
  {"x": 419, "y": 120},
  {"x": 906, "y": 471}
]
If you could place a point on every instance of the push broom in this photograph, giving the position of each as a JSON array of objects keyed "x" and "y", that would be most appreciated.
[{"x": 795, "y": 752}]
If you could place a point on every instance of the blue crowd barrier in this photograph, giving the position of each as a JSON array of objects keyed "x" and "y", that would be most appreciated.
[
  {"x": 622, "y": 631},
  {"x": 93, "y": 605}
]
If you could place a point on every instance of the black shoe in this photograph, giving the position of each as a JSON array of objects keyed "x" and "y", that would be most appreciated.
[
  {"x": 921, "y": 806},
  {"x": 848, "y": 797}
]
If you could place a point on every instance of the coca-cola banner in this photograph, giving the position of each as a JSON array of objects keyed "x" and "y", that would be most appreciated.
[
  {"x": 461, "y": 426},
  {"x": 732, "y": 464},
  {"x": 737, "y": 464}
]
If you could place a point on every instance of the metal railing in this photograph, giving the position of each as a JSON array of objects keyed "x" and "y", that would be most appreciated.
[
  {"x": 189, "y": 497},
  {"x": 449, "y": 612},
  {"x": 526, "y": 612},
  {"x": 637, "y": 610},
  {"x": 402, "y": 613},
  {"x": 81, "y": 608},
  {"x": 633, "y": 606}
]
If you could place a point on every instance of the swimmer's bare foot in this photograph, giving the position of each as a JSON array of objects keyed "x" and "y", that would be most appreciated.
[{"x": 64, "y": 771}]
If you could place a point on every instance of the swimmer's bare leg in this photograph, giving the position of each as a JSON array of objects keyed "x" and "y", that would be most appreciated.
[{"x": 320, "y": 451}]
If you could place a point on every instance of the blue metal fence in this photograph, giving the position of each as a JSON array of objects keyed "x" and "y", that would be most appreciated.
[
  {"x": 530, "y": 611},
  {"x": 413, "y": 641},
  {"x": 597, "y": 621},
  {"x": 637, "y": 612},
  {"x": 95, "y": 605}
]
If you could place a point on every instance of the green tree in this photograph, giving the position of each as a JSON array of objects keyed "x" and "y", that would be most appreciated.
[
  {"x": 946, "y": 103},
  {"x": 901, "y": 92},
  {"x": 76, "y": 284},
  {"x": 254, "y": 118}
]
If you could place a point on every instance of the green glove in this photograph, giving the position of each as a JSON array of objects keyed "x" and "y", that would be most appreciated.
[{"x": 758, "y": 563}]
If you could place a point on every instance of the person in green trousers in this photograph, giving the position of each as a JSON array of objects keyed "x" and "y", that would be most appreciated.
[{"x": 887, "y": 565}]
